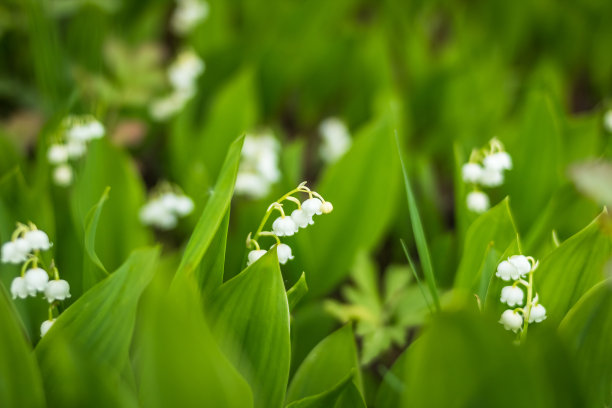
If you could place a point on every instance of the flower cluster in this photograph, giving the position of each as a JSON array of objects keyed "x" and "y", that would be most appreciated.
[
  {"x": 485, "y": 168},
  {"x": 166, "y": 205},
  {"x": 288, "y": 225},
  {"x": 24, "y": 248},
  {"x": 187, "y": 15},
  {"x": 336, "y": 139},
  {"x": 258, "y": 166},
  {"x": 70, "y": 143},
  {"x": 183, "y": 74},
  {"x": 516, "y": 268}
]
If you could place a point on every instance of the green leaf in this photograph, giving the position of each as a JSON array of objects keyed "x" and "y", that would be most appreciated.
[
  {"x": 21, "y": 384},
  {"x": 250, "y": 320},
  {"x": 297, "y": 291},
  {"x": 213, "y": 263},
  {"x": 419, "y": 232},
  {"x": 179, "y": 363},
  {"x": 363, "y": 192},
  {"x": 593, "y": 180},
  {"x": 572, "y": 269},
  {"x": 326, "y": 366},
  {"x": 100, "y": 323},
  {"x": 343, "y": 395},
  {"x": 492, "y": 232},
  {"x": 91, "y": 225},
  {"x": 392, "y": 387},
  {"x": 588, "y": 330},
  {"x": 211, "y": 218}
]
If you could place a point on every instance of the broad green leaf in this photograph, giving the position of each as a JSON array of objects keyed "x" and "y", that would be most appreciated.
[
  {"x": 100, "y": 323},
  {"x": 119, "y": 229},
  {"x": 20, "y": 384},
  {"x": 572, "y": 269},
  {"x": 297, "y": 291},
  {"x": 418, "y": 231},
  {"x": 492, "y": 232},
  {"x": 466, "y": 359},
  {"x": 179, "y": 363},
  {"x": 211, "y": 218},
  {"x": 91, "y": 226},
  {"x": 250, "y": 320},
  {"x": 326, "y": 366},
  {"x": 530, "y": 184},
  {"x": 392, "y": 386},
  {"x": 588, "y": 330},
  {"x": 212, "y": 265},
  {"x": 343, "y": 395},
  {"x": 363, "y": 192}
]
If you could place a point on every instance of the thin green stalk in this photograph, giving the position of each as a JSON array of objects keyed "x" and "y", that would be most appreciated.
[{"x": 416, "y": 275}]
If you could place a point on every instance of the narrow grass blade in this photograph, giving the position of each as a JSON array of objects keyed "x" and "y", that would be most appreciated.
[{"x": 416, "y": 275}]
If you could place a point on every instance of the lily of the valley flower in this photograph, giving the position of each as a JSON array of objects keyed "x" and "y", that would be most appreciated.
[
  {"x": 512, "y": 320},
  {"x": 259, "y": 165},
  {"x": 19, "y": 288},
  {"x": 37, "y": 239},
  {"x": 284, "y": 253},
  {"x": 336, "y": 139},
  {"x": 165, "y": 208},
  {"x": 284, "y": 226},
  {"x": 57, "y": 289},
  {"x": 187, "y": 15},
  {"x": 254, "y": 255},
  {"x": 537, "y": 313},
  {"x": 15, "y": 251},
  {"x": 512, "y": 295},
  {"x": 45, "y": 326},
  {"x": 477, "y": 201},
  {"x": 36, "y": 279}
]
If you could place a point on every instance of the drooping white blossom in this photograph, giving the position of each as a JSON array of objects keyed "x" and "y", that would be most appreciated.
[
  {"x": 312, "y": 206},
  {"x": 284, "y": 226},
  {"x": 163, "y": 211},
  {"x": 37, "y": 239},
  {"x": 84, "y": 129},
  {"x": 57, "y": 154},
  {"x": 537, "y": 313},
  {"x": 19, "y": 288},
  {"x": 36, "y": 279},
  {"x": 254, "y": 255},
  {"x": 284, "y": 253},
  {"x": 62, "y": 175},
  {"x": 477, "y": 201},
  {"x": 491, "y": 177},
  {"x": 512, "y": 295},
  {"x": 57, "y": 289},
  {"x": 45, "y": 326},
  {"x": 471, "y": 172},
  {"x": 521, "y": 263},
  {"x": 15, "y": 251},
  {"x": 185, "y": 70},
  {"x": 301, "y": 219},
  {"x": 259, "y": 165},
  {"x": 498, "y": 161},
  {"x": 336, "y": 139},
  {"x": 512, "y": 320}
]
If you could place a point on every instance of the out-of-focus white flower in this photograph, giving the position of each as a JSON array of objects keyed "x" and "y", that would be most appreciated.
[
  {"x": 301, "y": 219},
  {"x": 512, "y": 295},
  {"x": 336, "y": 139},
  {"x": 37, "y": 239},
  {"x": 258, "y": 166},
  {"x": 284, "y": 226},
  {"x": 15, "y": 251},
  {"x": 156, "y": 214},
  {"x": 76, "y": 149},
  {"x": 471, "y": 172},
  {"x": 607, "y": 120},
  {"x": 188, "y": 14},
  {"x": 36, "y": 279},
  {"x": 181, "y": 205},
  {"x": 57, "y": 153},
  {"x": 491, "y": 177},
  {"x": 185, "y": 70},
  {"x": 284, "y": 253},
  {"x": 498, "y": 161},
  {"x": 511, "y": 320},
  {"x": 62, "y": 175},
  {"x": 537, "y": 313},
  {"x": 57, "y": 289},
  {"x": 19, "y": 288},
  {"x": 521, "y": 263},
  {"x": 163, "y": 108},
  {"x": 312, "y": 206},
  {"x": 45, "y": 326},
  {"x": 253, "y": 256},
  {"x": 477, "y": 201},
  {"x": 84, "y": 129}
]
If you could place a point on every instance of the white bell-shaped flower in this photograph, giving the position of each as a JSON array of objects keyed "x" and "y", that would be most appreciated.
[
  {"x": 521, "y": 263},
  {"x": 512, "y": 320},
  {"x": 477, "y": 201},
  {"x": 36, "y": 279},
  {"x": 471, "y": 172},
  {"x": 76, "y": 148},
  {"x": 491, "y": 177},
  {"x": 57, "y": 154},
  {"x": 301, "y": 219},
  {"x": 156, "y": 214},
  {"x": 95, "y": 130},
  {"x": 57, "y": 289},
  {"x": 62, "y": 175},
  {"x": 512, "y": 295},
  {"x": 45, "y": 326},
  {"x": 184, "y": 71},
  {"x": 183, "y": 206},
  {"x": 336, "y": 139},
  {"x": 498, "y": 161},
  {"x": 284, "y": 226},
  {"x": 15, "y": 251},
  {"x": 37, "y": 239},
  {"x": 507, "y": 271},
  {"x": 254, "y": 255},
  {"x": 284, "y": 253},
  {"x": 19, "y": 288},
  {"x": 537, "y": 313},
  {"x": 312, "y": 206}
]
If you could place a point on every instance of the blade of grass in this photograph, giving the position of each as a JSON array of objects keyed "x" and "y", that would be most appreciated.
[
  {"x": 416, "y": 275},
  {"x": 419, "y": 233}
]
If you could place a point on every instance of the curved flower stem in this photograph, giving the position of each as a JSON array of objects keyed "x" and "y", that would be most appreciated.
[
  {"x": 270, "y": 234},
  {"x": 288, "y": 196}
]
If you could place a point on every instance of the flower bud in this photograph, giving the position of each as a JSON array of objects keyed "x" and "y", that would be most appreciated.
[{"x": 327, "y": 207}]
